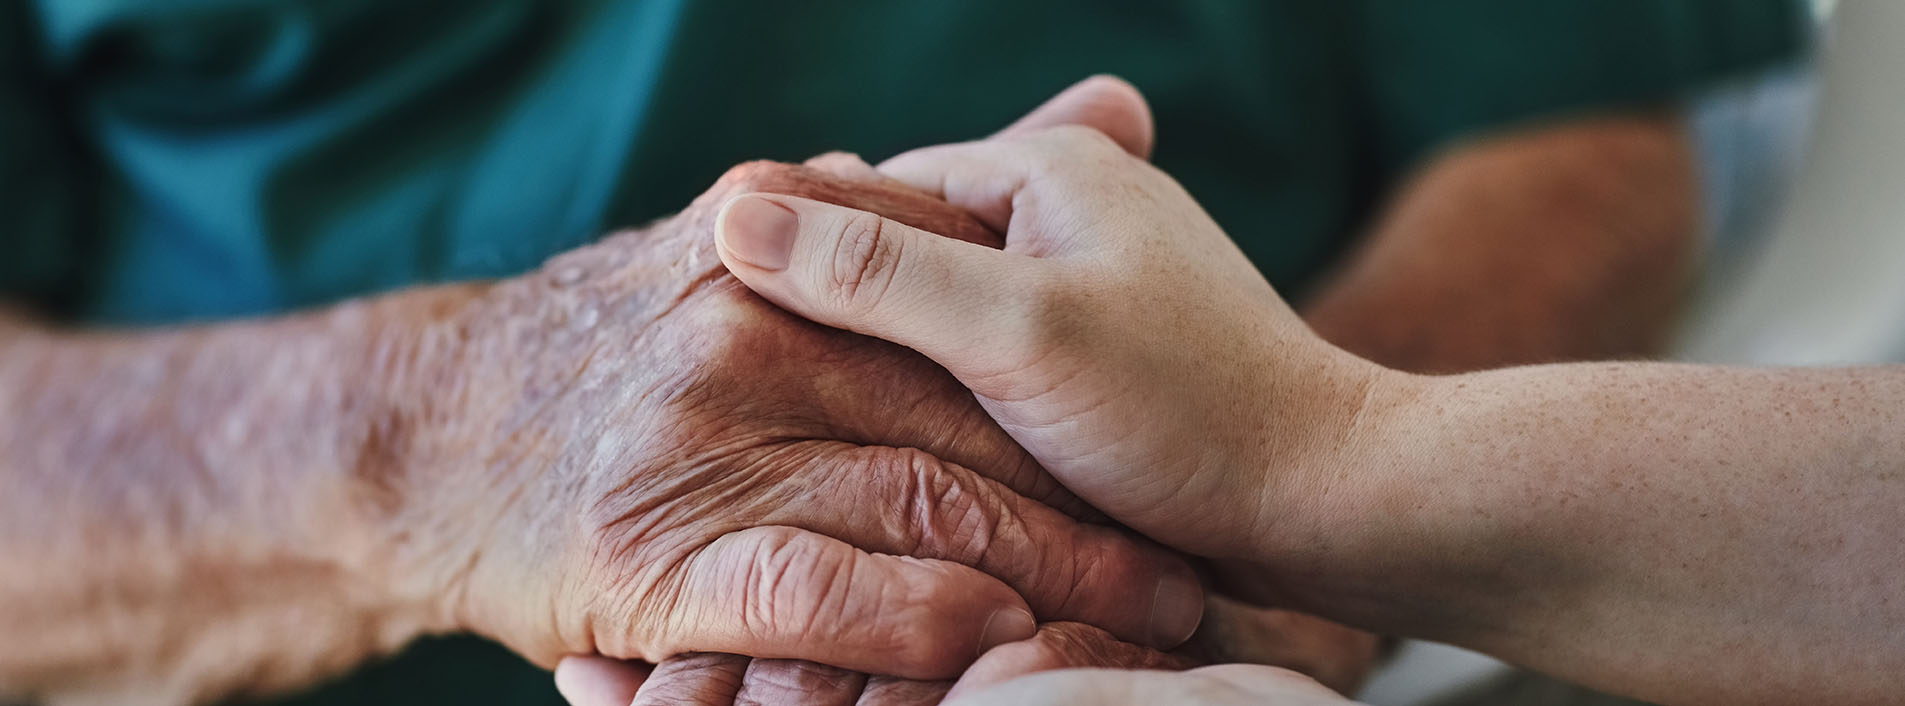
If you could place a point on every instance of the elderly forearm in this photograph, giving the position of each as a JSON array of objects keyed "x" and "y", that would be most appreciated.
[
  {"x": 1569, "y": 242},
  {"x": 1678, "y": 533},
  {"x": 187, "y": 512}
]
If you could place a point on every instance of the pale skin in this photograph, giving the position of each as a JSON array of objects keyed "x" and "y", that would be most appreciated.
[
  {"x": 1681, "y": 534},
  {"x": 1230, "y": 631},
  {"x": 724, "y": 679},
  {"x": 345, "y": 544},
  {"x": 624, "y": 452},
  {"x": 1327, "y": 657},
  {"x": 311, "y": 554},
  {"x": 1465, "y": 251}
]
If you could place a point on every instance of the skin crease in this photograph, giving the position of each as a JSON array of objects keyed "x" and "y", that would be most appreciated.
[
  {"x": 634, "y": 519},
  {"x": 1232, "y": 632},
  {"x": 721, "y": 680},
  {"x": 331, "y": 569},
  {"x": 582, "y": 459},
  {"x": 1041, "y": 393},
  {"x": 1680, "y": 534},
  {"x": 1339, "y": 656},
  {"x": 1459, "y": 274}
]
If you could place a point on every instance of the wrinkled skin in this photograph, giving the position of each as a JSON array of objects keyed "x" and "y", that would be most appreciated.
[
  {"x": 1337, "y": 657},
  {"x": 676, "y": 465}
]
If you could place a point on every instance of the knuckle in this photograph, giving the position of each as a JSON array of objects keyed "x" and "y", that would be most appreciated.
[
  {"x": 769, "y": 680},
  {"x": 1080, "y": 155},
  {"x": 949, "y": 517},
  {"x": 794, "y": 585},
  {"x": 865, "y": 258},
  {"x": 1107, "y": 559},
  {"x": 693, "y": 678}
]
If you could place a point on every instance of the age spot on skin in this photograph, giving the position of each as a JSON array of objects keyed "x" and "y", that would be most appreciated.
[
  {"x": 567, "y": 276},
  {"x": 585, "y": 319}
]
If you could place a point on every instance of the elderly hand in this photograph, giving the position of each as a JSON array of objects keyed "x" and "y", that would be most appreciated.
[
  {"x": 1232, "y": 632},
  {"x": 635, "y": 456},
  {"x": 1120, "y": 336},
  {"x": 729, "y": 680}
]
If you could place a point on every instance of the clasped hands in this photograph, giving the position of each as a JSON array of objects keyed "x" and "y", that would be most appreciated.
[{"x": 672, "y": 465}]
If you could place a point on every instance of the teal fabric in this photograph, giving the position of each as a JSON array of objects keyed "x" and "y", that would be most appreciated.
[
  {"x": 214, "y": 158},
  {"x": 204, "y": 159}
]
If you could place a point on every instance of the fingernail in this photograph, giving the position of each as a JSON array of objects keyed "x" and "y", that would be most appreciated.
[
  {"x": 758, "y": 231},
  {"x": 1008, "y": 625},
  {"x": 1176, "y": 610}
]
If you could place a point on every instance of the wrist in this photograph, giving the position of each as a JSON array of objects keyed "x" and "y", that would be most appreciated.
[
  {"x": 1320, "y": 496},
  {"x": 468, "y": 452},
  {"x": 402, "y": 473},
  {"x": 1390, "y": 534}
]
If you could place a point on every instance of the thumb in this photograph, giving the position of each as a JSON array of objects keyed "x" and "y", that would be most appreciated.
[{"x": 949, "y": 299}]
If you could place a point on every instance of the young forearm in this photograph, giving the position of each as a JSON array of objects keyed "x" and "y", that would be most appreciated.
[
  {"x": 1684, "y": 534},
  {"x": 191, "y": 511}
]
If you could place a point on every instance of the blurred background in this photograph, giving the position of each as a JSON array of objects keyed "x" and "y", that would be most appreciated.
[
  {"x": 1800, "y": 172},
  {"x": 210, "y": 159}
]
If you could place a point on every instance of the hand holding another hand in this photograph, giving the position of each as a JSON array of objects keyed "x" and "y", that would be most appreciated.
[
  {"x": 1308, "y": 648},
  {"x": 627, "y": 453},
  {"x": 1119, "y": 336}
]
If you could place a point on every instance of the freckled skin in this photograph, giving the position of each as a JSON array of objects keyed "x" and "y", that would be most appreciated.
[
  {"x": 1675, "y": 533},
  {"x": 1679, "y": 533}
]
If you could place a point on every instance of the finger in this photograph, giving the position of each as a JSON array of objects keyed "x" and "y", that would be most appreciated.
[
  {"x": 988, "y": 177},
  {"x": 845, "y": 165},
  {"x": 962, "y": 433},
  {"x": 886, "y": 197},
  {"x": 793, "y": 682},
  {"x": 957, "y": 302},
  {"x": 1065, "y": 569},
  {"x": 781, "y": 592},
  {"x": 942, "y": 416},
  {"x": 1104, "y": 103},
  {"x": 701, "y": 679},
  {"x": 894, "y": 691},
  {"x": 1060, "y": 646},
  {"x": 588, "y": 680},
  {"x": 1339, "y": 656}
]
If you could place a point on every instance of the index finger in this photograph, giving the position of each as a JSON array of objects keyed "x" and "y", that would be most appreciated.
[{"x": 988, "y": 178}]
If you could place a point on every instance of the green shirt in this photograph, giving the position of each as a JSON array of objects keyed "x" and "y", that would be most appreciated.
[{"x": 197, "y": 159}]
